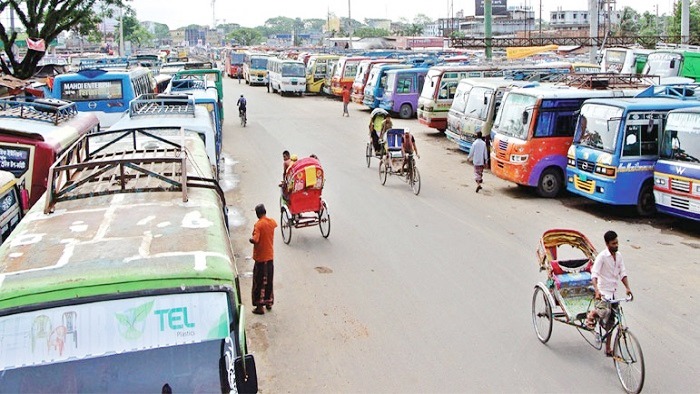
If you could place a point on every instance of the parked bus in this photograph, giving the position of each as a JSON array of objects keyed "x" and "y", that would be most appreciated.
[
  {"x": 211, "y": 76},
  {"x": 317, "y": 68},
  {"x": 402, "y": 90},
  {"x": 12, "y": 204},
  {"x": 106, "y": 93},
  {"x": 255, "y": 69},
  {"x": 624, "y": 60},
  {"x": 344, "y": 74},
  {"x": 439, "y": 88},
  {"x": 122, "y": 278},
  {"x": 534, "y": 129},
  {"x": 168, "y": 114},
  {"x": 33, "y": 134},
  {"x": 474, "y": 108},
  {"x": 376, "y": 83},
  {"x": 669, "y": 63},
  {"x": 617, "y": 144},
  {"x": 205, "y": 95},
  {"x": 677, "y": 172},
  {"x": 287, "y": 76},
  {"x": 357, "y": 94},
  {"x": 234, "y": 64}
]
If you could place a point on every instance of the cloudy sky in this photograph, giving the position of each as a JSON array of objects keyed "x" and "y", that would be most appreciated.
[{"x": 253, "y": 13}]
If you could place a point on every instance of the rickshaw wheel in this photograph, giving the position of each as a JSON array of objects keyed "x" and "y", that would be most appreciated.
[
  {"x": 415, "y": 180},
  {"x": 286, "y": 226},
  {"x": 629, "y": 361},
  {"x": 324, "y": 220},
  {"x": 383, "y": 171},
  {"x": 541, "y": 315},
  {"x": 368, "y": 153}
]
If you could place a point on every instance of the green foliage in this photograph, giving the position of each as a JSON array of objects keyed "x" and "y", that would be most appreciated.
[
  {"x": 134, "y": 31},
  {"x": 246, "y": 36},
  {"x": 161, "y": 31},
  {"x": 46, "y": 20},
  {"x": 365, "y": 32},
  {"x": 279, "y": 25},
  {"x": 674, "y": 27}
]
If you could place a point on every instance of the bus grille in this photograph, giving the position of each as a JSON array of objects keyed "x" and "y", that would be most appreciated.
[
  {"x": 503, "y": 145},
  {"x": 680, "y": 203},
  {"x": 584, "y": 165},
  {"x": 680, "y": 186},
  {"x": 586, "y": 186}
]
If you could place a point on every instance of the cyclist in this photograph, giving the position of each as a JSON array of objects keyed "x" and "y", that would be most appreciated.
[
  {"x": 408, "y": 147},
  {"x": 242, "y": 102}
]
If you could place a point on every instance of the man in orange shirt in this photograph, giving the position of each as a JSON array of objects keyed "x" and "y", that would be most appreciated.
[
  {"x": 263, "y": 254},
  {"x": 346, "y": 101}
]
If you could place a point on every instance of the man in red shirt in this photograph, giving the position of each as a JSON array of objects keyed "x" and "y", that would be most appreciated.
[
  {"x": 263, "y": 255},
  {"x": 346, "y": 101}
]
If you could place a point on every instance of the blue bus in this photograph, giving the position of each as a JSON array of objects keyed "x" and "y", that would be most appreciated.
[
  {"x": 677, "y": 172},
  {"x": 376, "y": 83},
  {"x": 107, "y": 93},
  {"x": 616, "y": 145}
]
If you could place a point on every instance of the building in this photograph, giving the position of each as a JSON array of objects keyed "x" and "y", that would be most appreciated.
[
  {"x": 519, "y": 19},
  {"x": 432, "y": 30},
  {"x": 579, "y": 19}
]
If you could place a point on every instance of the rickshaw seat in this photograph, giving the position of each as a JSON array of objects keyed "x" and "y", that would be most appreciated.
[
  {"x": 580, "y": 279},
  {"x": 568, "y": 266},
  {"x": 393, "y": 139}
]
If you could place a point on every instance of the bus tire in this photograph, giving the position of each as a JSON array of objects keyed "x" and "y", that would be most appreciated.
[
  {"x": 550, "y": 183},
  {"x": 405, "y": 112},
  {"x": 646, "y": 204}
]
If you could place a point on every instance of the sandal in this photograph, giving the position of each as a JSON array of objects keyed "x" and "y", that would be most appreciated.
[
  {"x": 590, "y": 324},
  {"x": 608, "y": 353}
]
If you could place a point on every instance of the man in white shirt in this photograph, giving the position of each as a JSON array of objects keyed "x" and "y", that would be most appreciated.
[
  {"x": 608, "y": 269},
  {"x": 478, "y": 155}
]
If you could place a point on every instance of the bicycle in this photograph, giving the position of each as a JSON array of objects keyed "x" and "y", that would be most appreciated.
[
  {"x": 243, "y": 116},
  {"x": 412, "y": 176}
]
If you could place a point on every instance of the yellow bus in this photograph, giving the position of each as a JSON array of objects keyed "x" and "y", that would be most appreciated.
[
  {"x": 255, "y": 68},
  {"x": 316, "y": 70}
]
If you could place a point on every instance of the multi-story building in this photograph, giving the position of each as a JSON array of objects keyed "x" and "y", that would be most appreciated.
[{"x": 519, "y": 19}]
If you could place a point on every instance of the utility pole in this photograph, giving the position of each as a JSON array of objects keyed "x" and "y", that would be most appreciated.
[
  {"x": 121, "y": 31},
  {"x": 487, "y": 29},
  {"x": 540, "y": 18},
  {"x": 593, "y": 31},
  {"x": 350, "y": 25},
  {"x": 685, "y": 21}
]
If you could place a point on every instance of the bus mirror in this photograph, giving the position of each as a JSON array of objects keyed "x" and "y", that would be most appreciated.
[
  {"x": 673, "y": 63},
  {"x": 246, "y": 374},
  {"x": 525, "y": 117},
  {"x": 486, "y": 99},
  {"x": 24, "y": 199}
]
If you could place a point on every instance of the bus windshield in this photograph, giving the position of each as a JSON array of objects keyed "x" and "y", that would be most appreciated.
[
  {"x": 350, "y": 70},
  {"x": 598, "y": 126},
  {"x": 681, "y": 140},
  {"x": 258, "y": 63},
  {"x": 391, "y": 82},
  {"x": 293, "y": 70},
  {"x": 478, "y": 103},
  {"x": 432, "y": 80},
  {"x": 372, "y": 79},
  {"x": 510, "y": 120},
  {"x": 663, "y": 64},
  {"x": 615, "y": 58}
]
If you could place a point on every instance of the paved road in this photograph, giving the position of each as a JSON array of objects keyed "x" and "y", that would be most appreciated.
[{"x": 432, "y": 293}]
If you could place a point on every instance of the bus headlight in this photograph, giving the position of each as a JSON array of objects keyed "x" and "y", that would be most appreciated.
[
  {"x": 428, "y": 109},
  {"x": 518, "y": 158},
  {"x": 570, "y": 161},
  {"x": 603, "y": 170},
  {"x": 661, "y": 180}
]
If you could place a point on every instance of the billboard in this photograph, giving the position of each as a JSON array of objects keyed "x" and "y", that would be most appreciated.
[{"x": 498, "y": 7}]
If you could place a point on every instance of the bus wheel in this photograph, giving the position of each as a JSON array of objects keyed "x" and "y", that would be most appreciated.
[
  {"x": 646, "y": 205},
  {"x": 442, "y": 130},
  {"x": 406, "y": 111},
  {"x": 550, "y": 183}
]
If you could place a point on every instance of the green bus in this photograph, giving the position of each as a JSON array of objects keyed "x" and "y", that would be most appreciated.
[{"x": 122, "y": 277}]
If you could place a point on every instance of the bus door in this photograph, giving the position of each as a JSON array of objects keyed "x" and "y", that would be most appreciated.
[{"x": 12, "y": 204}]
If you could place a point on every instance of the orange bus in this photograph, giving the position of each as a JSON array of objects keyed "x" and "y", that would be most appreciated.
[
  {"x": 357, "y": 94},
  {"x": 345, "y": 72}
]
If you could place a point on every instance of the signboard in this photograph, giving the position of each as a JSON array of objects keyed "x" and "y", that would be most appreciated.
[
  {"x": 91, "y": 91},
  {"x": 108, "y": 327},
  {"x": 498, "y": 7},
  {"x": 14, "y": 159}
]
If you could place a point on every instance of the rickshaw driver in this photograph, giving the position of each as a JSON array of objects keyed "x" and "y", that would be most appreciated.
[
  {"x": 408, "y": 147},
  {"x": 376, "y": 126},
  {"x": 607, "y": 270}
]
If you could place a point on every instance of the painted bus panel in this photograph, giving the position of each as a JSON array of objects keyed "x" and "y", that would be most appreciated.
[
  {"x": 344, "y": 74},
  {"x": 357, "y": 94},
  {"x": 317, "y": 68},
  {"x": 402, "y": 91}
]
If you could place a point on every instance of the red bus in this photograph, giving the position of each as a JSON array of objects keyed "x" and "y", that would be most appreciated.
[
  {"x": 234, "y": 64},
  {"x": 344, "y": 75},
  {"x": 34, "y": 133}
]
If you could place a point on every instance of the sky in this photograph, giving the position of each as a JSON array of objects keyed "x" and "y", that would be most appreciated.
[{"x": 179, "y": 13}]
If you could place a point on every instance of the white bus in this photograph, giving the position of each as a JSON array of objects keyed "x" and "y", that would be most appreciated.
[{"x": 287, "y": 76}]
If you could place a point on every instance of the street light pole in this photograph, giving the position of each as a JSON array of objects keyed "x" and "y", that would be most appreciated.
[{"x": 121, "y": 31}]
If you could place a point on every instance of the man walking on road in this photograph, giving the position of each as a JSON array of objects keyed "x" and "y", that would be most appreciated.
[
  {"x": 346, "y": 101},
  {"x": 263, "y": 255},
  {"x": 478, "y": 156}
]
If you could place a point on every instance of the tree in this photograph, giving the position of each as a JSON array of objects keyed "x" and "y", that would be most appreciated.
[
  {"x": 133, "y": 30},
  {"x": 161, "y": 32},
  {"x": 422, "y": 19},
  {"x": 44, "y": 20},
  {"x": 674, "y": 28},
  {"x": 246, "y": 36},
  {"x": 279, "y": 25},
  {"x": 365, "y": 32},
  {"x": 628, "y": 25}
]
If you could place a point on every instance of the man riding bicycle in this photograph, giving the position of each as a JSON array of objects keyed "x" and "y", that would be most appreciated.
[{"x": 242, "y": 102}]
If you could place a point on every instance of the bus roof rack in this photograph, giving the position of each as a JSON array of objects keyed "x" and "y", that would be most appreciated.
[
  {"x": 687, "y": 91},
  {"x": 608, "y": 80},
  {"x": 151, "y": 104},
  {"x": 44, "y": 110},
  {"x": 198, "y": 66},
  {"x": 111, "y": 162},
  {"x": 103, "y": 63}
]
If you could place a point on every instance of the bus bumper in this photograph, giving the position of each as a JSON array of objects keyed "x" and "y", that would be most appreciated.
[
  {"x": 457, "y": 139},
  {"x": 596, "y": 188},
  {"x": 430, "y": 120},
  {"x": 682, "y": 206},
  {"x": 517, "y": 173}
]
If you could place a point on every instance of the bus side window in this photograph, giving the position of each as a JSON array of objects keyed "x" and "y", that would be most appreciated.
[
  {"x": 631, "y": 143},
  {"x": 544, "y": 124},
  {"x": 565, "y": 125}
]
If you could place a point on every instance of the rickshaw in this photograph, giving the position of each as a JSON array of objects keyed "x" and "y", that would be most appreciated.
[
  {"x": 376, "y": 123},
  {"x": 567, "y": 295},
  {"x": 394, "y": 163},
  {"x": 301, "y": 202}
]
